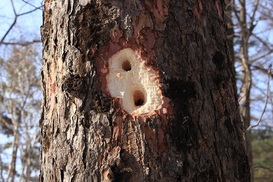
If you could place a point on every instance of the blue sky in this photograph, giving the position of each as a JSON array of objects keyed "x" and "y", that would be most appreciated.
[{"x": 27, "y": 26}]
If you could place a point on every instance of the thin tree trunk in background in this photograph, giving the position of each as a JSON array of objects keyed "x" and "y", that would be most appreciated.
[
  {"x": 230, "y": 27},
  {"x": 26, "y": 158},
  {"x": 15, "y": 145},
  {"x": 28, "y": 163},
  {"x": 86, "y": 135},
  {"x": 1, "y": 170},
  {"x": 246, "y": 77}
]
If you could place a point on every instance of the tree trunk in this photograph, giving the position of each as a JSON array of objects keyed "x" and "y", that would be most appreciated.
[
  {"x": 15, "y": 144},
  {"x": 246, "y": 78},
  {"x": 139, "y": 91}
]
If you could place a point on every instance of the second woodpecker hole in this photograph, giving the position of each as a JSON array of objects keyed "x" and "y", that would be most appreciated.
[
  {"x": 139, "y": 98},
  {"x": 126, "y": 65}
]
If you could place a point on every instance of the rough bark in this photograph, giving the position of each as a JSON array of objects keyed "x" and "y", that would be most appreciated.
[{"x": 85, "y": 133}]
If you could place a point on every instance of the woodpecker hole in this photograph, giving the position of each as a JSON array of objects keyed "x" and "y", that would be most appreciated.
[
  {"x": 126, "y": 65},
  {"x": 134, "y": 83},
  {"x": 139, "y": 99}
]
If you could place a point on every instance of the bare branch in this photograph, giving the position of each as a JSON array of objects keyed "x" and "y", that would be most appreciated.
[
  {"x": 40, "y": 7},
  {"x": 23, "y": 43},
  {"x": 27, "y": 12},
  {"x": 241, "y": 98},
  {"x": 252, "y": 18},
  {"x": 15, "y": 19},
  {"x": 236, "y": 11},
  {"x": 262, "y": 41},
  {"x": 262, "y": 56},
  {"x": 266, "y": 99},
  {"x": 12, "y": 25},
  {"x": 263, "y": 70}
]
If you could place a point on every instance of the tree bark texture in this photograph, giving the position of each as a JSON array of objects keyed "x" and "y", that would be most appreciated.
[{"x": 86, "y": 135}]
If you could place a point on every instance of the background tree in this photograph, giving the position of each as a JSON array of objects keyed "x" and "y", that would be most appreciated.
[
  {"x": 253, "y": 50},
  {"x": 196, "y": 134},
  {"x": 19, "y": 91},
  {"x": 19, "y": 112}
]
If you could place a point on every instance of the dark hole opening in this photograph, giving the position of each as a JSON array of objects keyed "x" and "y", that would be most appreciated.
[
  {"x": 126, "y": 65},
  {"x": 139, "y": 98}
]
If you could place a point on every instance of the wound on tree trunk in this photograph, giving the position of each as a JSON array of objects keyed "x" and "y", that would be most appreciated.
[{"x": 139, "y": 91}]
